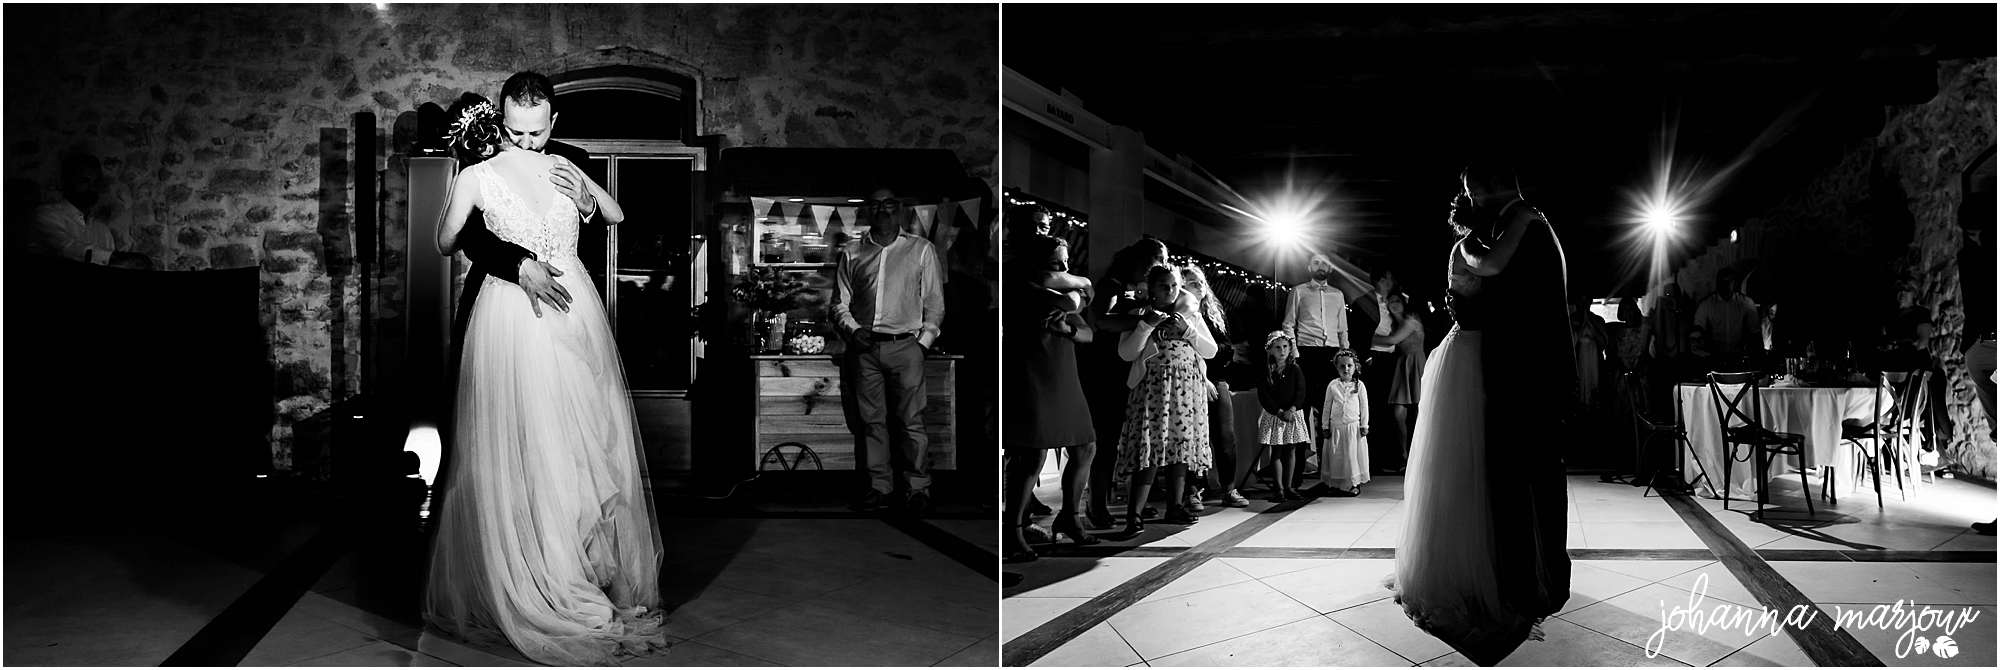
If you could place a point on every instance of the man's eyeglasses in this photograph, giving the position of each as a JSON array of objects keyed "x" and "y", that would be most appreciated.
[{"x": 881, "y": 206}]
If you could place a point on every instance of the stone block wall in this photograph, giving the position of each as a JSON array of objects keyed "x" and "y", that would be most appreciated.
[
  {"x": 1886, "y": 213},
  {"x": 225, "y": 130}
]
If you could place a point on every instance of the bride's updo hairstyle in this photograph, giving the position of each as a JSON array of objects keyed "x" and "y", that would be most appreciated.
[{"x": 475, "y": 128}]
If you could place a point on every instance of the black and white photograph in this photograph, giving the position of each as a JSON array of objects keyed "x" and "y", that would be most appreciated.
[
  {"x": 1535, "y": 335},
  {"x": 387, "y": 334}
]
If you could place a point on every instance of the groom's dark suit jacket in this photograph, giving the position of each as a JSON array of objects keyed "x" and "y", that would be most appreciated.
[{"x": 1531, "y": 374}]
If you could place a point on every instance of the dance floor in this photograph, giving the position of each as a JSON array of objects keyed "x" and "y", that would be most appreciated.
[
  {"x": 745, "y": 586},
  {"x": 1300, "y": 584}
]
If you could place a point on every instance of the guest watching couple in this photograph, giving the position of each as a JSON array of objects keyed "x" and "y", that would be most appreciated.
[
  {"x": 1730, "y": 318},
  {"x": 1343, "y": 462},
  {"x": 1166, "y": 411},
  {"x": 889, "y": 301},
  {"x": 1316, "y": 321},
  {"x": 1045, "y": 404},
  {"x": 78, "y": 225},
  {"x": 1115, "y": 297}
]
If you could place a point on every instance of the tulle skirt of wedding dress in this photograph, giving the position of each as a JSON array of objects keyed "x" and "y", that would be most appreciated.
[
  {"x": 1445, "y": 576},
  {"x": 546, "y": 534}
]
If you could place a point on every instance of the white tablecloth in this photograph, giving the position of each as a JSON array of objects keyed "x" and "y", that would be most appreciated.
[{"x": 1815, "y": 413}]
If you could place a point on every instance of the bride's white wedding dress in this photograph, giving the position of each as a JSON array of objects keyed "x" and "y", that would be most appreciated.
[
  {"x": 546, "y": 533},
  {"x": 1445, "y": 578}
]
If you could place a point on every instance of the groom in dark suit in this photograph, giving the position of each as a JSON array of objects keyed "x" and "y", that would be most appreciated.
[
  {"x": 1526, "y": 351},
  {"x": 492, "y": 256}
]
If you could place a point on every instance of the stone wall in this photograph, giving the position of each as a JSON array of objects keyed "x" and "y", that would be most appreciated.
[
  {"x": 225, "y": 130},
  {"x": 1885, "y": 214}
]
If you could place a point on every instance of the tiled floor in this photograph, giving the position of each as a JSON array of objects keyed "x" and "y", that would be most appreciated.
[
  {"x": 1307, "y": 588},
  {"x": 820, "y": 591}
]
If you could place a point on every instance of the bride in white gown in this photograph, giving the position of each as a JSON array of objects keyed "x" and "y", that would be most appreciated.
[
  {"x": 546, "y": 535},
  {"x": 1445, "y": 576}
]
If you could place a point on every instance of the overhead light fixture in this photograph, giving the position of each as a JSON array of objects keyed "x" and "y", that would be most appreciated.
[
  {"x": 795, "y": 200},
  {"x": 855, "y": 200}
]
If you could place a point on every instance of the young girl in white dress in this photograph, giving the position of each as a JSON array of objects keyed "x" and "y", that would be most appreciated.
[{"x": 1343, "y": 461}]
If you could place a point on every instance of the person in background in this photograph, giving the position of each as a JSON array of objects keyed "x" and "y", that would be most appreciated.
[
  {"x": 1166, "y": 411},
  {"x": 1730, "y": 318},
  {"x": 1046, "y": 409},
  {"x": 1221, "y": 407},
  {"x": 1343, "y": 424},
  {"x": 1665, "y": 337},
  {"x": 1404, "y": 381},
  {"x": 1387, "y": 449},
  {"x": 1113, "y": 299},
  {"x": 1316, "y": 321},
  {"x": 78, "y": 226},
  {"x": 1282, "y": 427},
  {"x": 890, "y": 305}
]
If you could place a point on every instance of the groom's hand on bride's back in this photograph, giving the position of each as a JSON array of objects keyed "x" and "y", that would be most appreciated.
[{"x": 538, "y": 280}]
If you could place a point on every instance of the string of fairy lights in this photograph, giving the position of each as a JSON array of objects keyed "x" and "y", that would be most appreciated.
[
  {"x": 1059, "y": 217},
  {"x": 1062, "y": 218},
  {"x": 1215, "y": 269}
]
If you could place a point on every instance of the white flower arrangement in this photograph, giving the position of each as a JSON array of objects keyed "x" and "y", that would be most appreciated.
[
  {"x": 474, "y": 126},
  {"x": 807, "y": 344}
]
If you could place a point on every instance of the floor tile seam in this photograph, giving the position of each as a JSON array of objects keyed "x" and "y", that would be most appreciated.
[
  {"x": 1642, "y": 648},
  {"x": 1247, "y": 578},
  {"x": 1363, "y": 635},
  {"x": 297, "y": 661},
  {"x": 304, "y": 663},
  {"x": 738, "y": 652},
  {"x": 1127, "y": 642},
  {"x": 963, "y": 649},
  {"x": 1726, "y": 546},
  {"x": 928, "y": 627},
  {"x": 1070, "y": 624},
  {"x": 1265, "y": 629}
]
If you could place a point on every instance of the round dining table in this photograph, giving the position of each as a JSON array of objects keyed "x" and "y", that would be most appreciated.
[{"x": 1815, "y": 412}]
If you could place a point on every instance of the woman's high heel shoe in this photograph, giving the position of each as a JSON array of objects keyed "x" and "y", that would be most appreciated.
[
  {"x": 1099, "y": 520},
  {"x": 1067, "y": 525},
  {"x": 1179, "y": 516}
]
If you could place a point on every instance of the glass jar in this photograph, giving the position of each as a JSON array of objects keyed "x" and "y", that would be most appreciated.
[{"x": 804, "y": 337}]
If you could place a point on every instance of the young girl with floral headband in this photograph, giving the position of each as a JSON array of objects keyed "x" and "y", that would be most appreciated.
[{"x": 1282, "y": 429}]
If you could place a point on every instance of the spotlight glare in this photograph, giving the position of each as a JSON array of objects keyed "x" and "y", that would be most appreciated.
[{"x": 1285, "y": 229}]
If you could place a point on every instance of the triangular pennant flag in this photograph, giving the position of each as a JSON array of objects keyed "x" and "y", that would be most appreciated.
[
  {"x": 923, "y": 220},
  {"x": 760, "y": 208},
  {"x": 792, "y": 212},
  {"x": 846, "y": 219},
  {"x": 822, "y": 218},
  {"x": 971, "y": 210}
]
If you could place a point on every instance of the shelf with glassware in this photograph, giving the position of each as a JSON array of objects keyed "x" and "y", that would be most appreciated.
[{"x": 778, "y": 257}]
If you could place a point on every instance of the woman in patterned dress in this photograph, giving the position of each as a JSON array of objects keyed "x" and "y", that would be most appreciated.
[{"x": 1166, "y": 412}]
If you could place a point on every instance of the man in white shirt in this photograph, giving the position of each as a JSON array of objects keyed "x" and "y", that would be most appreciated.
[
  {"x": 1316, "y": 318},
  {"x": 64, "y": 228},
  {"x": 1730, "y": 319},
  {"x": 889, "y": 301}
]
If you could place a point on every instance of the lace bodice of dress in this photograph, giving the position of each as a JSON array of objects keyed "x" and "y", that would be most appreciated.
[
  {"x": 1462, "y": 291},
  {"x": 550, "y": 234}
]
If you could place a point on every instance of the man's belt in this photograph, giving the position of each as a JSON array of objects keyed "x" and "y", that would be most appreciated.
[{"x": 889, "y": 337}]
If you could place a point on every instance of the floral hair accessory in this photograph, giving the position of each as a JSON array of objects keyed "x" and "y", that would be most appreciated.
[{"x": 474, "y": 127}]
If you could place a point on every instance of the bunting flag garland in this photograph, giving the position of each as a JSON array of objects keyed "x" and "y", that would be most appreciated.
[
  {"x": 792, "y": 211},
  {"x": 923, "y": 219},
  {"x": 822, "y": 217},
  {"x": 971, "y": 209},
  {"x": 760, "y": 207},
  {"x": 847, "y": 220}
]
